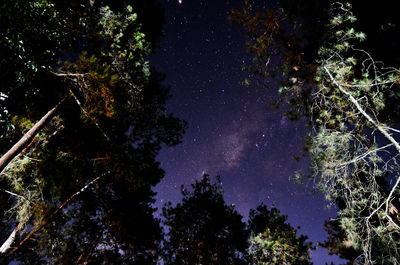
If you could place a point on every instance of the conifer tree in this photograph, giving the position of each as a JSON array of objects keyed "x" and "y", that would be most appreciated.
[
  {"x": 203, "y": 229},
  {"x": 274, "y": 241},
  {"x": 349, "y": 98},
  {"x": 78, "y": 191}
]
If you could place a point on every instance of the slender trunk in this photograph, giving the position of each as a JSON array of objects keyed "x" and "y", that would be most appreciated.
[
  {"x": 385, "y": 132},
  {"x": 46, "y": 218},
  {"x": 27, "y": 138},
  {"x": 18, "y": 149},
  {"x": 381, "y": 129},
  {"x": 7, "y": 244}
]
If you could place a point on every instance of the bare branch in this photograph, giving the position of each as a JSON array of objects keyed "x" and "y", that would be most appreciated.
[
  {"x": 46, "y": 218},
  {"x": 28, "y": 137},
  {"x": 381, "y": 129}
]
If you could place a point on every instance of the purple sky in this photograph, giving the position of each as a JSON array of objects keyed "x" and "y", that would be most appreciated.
[{"x": 233, "y": 132}]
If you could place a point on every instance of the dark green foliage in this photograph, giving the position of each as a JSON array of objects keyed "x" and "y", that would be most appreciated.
[
  {"x": 339, "y": 242},
  {"x": 329, "y": 55},
  {"x": 310, "y": 21},
  {"x": 378, "y": 21},
  {"x": 273, "y": 241},
  {"x": 336, "y": 242},
  {"x": 285, "y": 42},
  {"x": 106, "y": 135},
  {"x": 32, "y": 37},
  {"x": 203, "y": 229}
]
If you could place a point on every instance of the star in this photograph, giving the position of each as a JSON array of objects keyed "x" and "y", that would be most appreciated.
[{"x": 232, "y": 131}]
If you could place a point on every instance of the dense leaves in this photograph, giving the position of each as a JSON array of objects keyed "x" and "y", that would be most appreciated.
[
  {"x": 348, "y": 97},
  {"x": 273, "y": 241},
  {"x": 203, "y": 229},
  {"x": 80, "y": 192},
  {"x": 337, "y": 242}
]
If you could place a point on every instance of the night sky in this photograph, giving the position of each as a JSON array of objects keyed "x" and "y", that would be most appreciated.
[{"x": 233, "y": 131}]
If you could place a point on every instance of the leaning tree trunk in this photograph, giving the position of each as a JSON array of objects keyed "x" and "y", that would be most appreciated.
[
  {"x": 27, "y": 138},
  {"x": 10, "y": 240},
  {"x": 7, "y": 244}
]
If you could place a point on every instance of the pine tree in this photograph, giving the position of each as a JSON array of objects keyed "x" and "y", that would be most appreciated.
[
  {"x": 349, "y": 98},
  {"x": 79, "y": 189},
  {"x": 274, "y": 241},
  {"x": 203, "y": 229}
]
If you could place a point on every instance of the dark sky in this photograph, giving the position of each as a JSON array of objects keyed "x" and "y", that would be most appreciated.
[{"x": 233, "y": 132}]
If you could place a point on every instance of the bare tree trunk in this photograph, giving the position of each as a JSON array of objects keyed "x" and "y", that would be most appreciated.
[
  {"x": 46, "y": 217},
  {"x": 27, "y": 138},
  {"x": 7, "y": 244}
]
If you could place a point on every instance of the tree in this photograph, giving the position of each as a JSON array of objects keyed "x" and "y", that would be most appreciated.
[
  {"x": 337, "y": 243},
  {"x": 347, "y": 154},
  {"x": 80, "y": 188},
  {"x": 285, "y": 40},
  {"x": 203, "y": 229},
  {"x": 349, "y": 98},
  {"x": 273, "y": 241}
]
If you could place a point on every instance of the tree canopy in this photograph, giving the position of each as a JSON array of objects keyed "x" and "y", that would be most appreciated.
[
  {"x": 348, "y": 96},
  {"x": 79, "y": 190},
  {"x": 202, "y": 229},
  {"x": 274, "y": 241},
  {"x": 83, "y": 117}
]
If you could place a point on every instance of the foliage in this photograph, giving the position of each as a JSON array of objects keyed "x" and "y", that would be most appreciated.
[
  {"x": 273, "y": 241},
  {"x": 82, "y": 188},
  {"x": 203, "y": 229},
  {"x": 349, "y": 98},
  {"x": 29, "y": 47},
  {"x": 348, "y": 158},
  {"x": 285, "y": 40},
  {"x": 277, "y": 48},
  {"x": 338, "y": 244}
]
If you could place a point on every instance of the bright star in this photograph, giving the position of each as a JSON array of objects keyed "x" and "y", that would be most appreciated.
[{"x": 180, "y": 1}]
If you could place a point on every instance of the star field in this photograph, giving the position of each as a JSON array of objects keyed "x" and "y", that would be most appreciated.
[{"x": 233, "y": 132}]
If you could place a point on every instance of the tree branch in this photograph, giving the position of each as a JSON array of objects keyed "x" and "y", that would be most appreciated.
[
  {"x": 87, "y": 115},
  {"x": 381, "y": 129},
  {"x": 7, "y": 244},
  {"x": 27, "y": 138},
  {"x": 55, "y": 212}
]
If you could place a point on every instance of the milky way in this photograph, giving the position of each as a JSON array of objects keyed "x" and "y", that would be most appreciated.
[{"x": 233, "y": 132}]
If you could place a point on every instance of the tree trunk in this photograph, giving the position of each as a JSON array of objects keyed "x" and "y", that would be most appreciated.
[
  {"x": 7, "y": 244},
  {"x": 27, "y": 138},
  {"x": 47, "y": 216}
]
